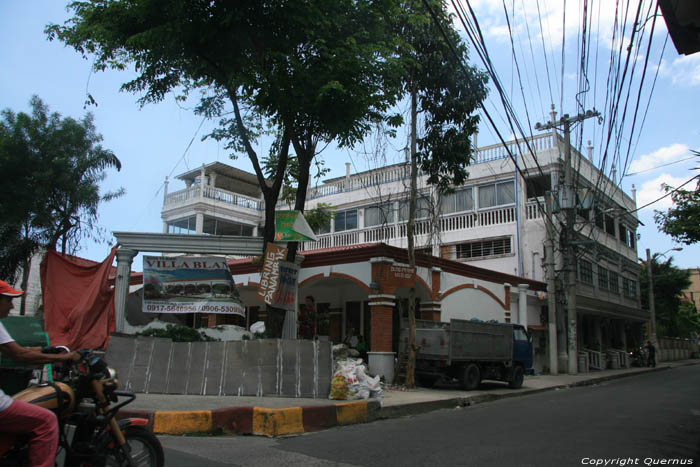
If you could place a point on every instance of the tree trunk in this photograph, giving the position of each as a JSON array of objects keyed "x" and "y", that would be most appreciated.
[
  {"x": 26, "y": 264},
  {"x": 411, "y": 365}
]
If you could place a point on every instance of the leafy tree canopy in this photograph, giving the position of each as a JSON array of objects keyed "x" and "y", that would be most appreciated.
[
  {"x": 682, "y": 221},
  {"x": 52, "y": 167},
  {"x": 669, "y": 283}
]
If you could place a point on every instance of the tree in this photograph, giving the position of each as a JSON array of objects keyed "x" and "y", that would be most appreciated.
[
  {"x": 52, "y": 169},
  {"x": 315, "y": 71},
  {"x": 669, "y": 283},
  {"x": 682, "y": 221},
  {"x": 446, "y": 93}
]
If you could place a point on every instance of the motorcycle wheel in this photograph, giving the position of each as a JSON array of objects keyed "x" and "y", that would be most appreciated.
[{"x": 146, "y": 450}]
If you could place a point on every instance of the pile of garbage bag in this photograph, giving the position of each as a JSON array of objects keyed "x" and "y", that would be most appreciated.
[{"x": 351, "y": 381}]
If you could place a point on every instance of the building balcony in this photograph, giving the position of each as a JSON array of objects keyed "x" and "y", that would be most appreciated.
[
  {"x": 395, "y": 233},
  {"x": 210, "y": 196}
]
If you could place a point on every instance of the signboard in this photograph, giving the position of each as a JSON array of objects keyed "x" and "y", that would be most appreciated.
[
  {"x": 291, "y": 226},
  {"x": 402, "y": 276},
  {"x": 270, "y": 275},
  {"x": 189, "y": 284}
]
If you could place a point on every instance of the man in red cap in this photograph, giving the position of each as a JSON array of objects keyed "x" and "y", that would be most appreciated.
[{"x": 18, "y": 416}]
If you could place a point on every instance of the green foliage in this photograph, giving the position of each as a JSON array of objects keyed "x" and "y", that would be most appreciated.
[
  {"x": 682, "y": 221},
  {"x": 52, "y": 167},
  {"x": 449, "y": 91},
  {"x": 179, "y": 333},
  {"x": 669, "y": 283}
]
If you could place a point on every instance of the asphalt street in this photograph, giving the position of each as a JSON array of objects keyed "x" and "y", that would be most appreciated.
[{"x": 651, "y": 419}]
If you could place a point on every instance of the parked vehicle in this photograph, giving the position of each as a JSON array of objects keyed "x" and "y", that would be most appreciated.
[
  {"x": 639, "y": 357},
  {"x": 471, "y": 351},
  {"x": 85, "y": 398}
]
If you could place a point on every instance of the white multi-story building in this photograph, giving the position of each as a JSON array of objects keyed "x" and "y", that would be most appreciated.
[{"x": 496, "y": 221}]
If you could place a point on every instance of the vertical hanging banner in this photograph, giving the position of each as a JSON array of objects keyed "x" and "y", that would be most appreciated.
[
  {"x": 270, "y": 275},
  {"x": 286, "y": 297},
  {"x": 189, "y": 284}
]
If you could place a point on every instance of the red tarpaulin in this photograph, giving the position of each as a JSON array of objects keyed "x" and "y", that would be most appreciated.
[{"x": 78, "y": 301}]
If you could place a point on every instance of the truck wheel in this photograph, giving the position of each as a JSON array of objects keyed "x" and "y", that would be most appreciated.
[
  {"x": 471, "y": 377},
  {"x": 517, "y": 380}
]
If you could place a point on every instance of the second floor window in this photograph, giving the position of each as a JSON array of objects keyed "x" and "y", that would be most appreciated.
[
  {"x": 585, "y": 272},
  {"x": 496, "y": 194},
  {"x": 379, "y": 215},
  {"x": 603, "y": 278},
  {"x": 460, "y": 200},
  {"x": 423, "y": 208},
  {"x": 614, "y": 282},
  {"x": 346, "y": 220},
  {"x": 485, "y": 248}
]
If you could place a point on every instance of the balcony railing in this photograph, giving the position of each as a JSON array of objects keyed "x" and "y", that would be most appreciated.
[
  {"x": 389, "y": 232},
  {"x": 401, "y": 172},
  {"x": 194, "y": 193}
]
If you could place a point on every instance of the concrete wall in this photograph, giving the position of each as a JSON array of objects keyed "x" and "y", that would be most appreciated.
[{"x": 290, "y": 368}]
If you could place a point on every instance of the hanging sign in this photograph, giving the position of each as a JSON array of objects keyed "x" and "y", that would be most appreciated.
[
  {"x": 270, "y": 275},
  {"x": 291, "y": 226},
  {"x": 189, "y": 284},
  {"x": 286, "y": 297}
]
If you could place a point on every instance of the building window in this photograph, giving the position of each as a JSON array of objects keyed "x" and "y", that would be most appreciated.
[
  {"x": 629, "y": 287},
  {"x": 602, "y": 278},
  {"x": 379, "y": 215},
  {"x": 183, "y": 226},
  {"x": 461, "y": 200},
  {"x": 423, "y": 210},
  {"x": 346, "y": 220},
  {"x": 585, "y": 269},
  {"x": 614, "y": 281},
  {"x": 214, "y": 226},
  {"x": 484, "y": 249},
  {"x": 497, "y": 194}
]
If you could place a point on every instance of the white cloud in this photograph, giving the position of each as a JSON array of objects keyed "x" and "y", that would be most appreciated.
[
  {"x": 659, "y": 157},
  {"x": 653, "y": 190},
  {"x": 683, "y": 70}
]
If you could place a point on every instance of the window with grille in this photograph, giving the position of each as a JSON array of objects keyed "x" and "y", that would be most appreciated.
[
  {"x": 614, "y": 282},
  {"x": 603, "y": 278},
  {"x": 629, "y": 287},
  {"x": 585, "y": 269},
  {"x": 483, "y": 249}
]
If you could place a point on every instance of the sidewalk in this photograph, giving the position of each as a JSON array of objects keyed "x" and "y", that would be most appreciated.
[{"x": 275, "y": 416}]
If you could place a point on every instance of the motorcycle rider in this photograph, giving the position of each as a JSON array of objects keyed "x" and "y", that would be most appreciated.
[{"x": 19, "y": 417}]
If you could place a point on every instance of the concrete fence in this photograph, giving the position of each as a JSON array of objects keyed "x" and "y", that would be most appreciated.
[
  {"x": 290, "y": 368},
  {"x": 675, "y": 348}
]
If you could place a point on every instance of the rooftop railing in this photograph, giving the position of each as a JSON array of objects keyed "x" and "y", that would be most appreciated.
[{"x": 194, "y": 193}]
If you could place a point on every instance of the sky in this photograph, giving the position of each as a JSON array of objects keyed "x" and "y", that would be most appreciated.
[{"x": 165, "y": 139}]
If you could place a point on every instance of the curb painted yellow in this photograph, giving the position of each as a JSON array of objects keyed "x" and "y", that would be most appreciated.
[
  {"x": 175, "y": 422},
  {"x": 348, "y": 413},
  {"x": 275, "y": 422}
]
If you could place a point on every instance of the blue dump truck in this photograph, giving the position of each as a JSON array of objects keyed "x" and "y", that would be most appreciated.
[{"x": 471, "y": 351}]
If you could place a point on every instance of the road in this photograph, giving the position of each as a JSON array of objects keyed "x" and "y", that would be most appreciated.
[{"x": 652, "y": 419}]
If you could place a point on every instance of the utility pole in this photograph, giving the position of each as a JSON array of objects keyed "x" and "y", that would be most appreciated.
[
  {"x": 652, "y": 307},
  {"x": 567, "y": 203},
  {"x": 551, "y": 289}
]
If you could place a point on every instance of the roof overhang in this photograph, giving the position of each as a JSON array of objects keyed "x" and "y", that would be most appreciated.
[{"x": 683, "y": 23}]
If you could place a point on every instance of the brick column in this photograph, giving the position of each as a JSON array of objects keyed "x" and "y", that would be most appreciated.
[
  {"x": 380, "y": 356},
  {"x": 382, "y": 328},
  {"x": 430, "y": 311}
]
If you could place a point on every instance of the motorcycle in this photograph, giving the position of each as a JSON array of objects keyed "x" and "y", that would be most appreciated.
[
  {"x": 638, "y": 357},
  {"x": 85, "y": 398}
]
